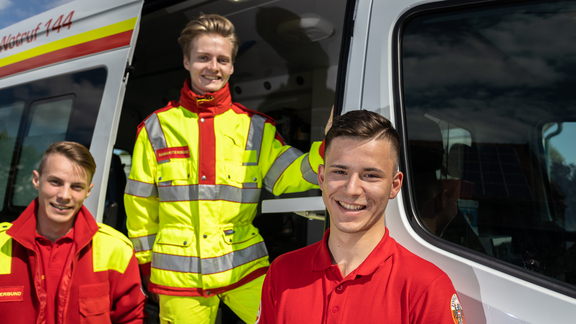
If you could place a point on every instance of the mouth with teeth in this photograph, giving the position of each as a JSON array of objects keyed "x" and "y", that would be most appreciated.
[
  {"x": 351, "y": 207},
  {"x": 59, "y": 207},
  {"x": 213, "y": 78}
]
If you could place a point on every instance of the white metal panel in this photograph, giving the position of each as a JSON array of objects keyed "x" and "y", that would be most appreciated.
[
  {"x": 88, "y": 15},
  {"x": 487, "y": 295},
  {"x": 355, "y": 71}
]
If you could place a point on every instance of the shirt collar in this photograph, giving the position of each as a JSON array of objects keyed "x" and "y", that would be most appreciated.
[
  {"x": 215, "y": 102},
  {"x": 69, "y": 237},
  {"x": 321, "y": 258},
  {"x": 24, "y": 227}
]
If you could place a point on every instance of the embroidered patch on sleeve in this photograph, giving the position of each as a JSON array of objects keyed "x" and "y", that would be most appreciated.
[
  {"x": 457, "y": 313},
  {"x": 172, "y": 152},
  {"x": 13, "y": 293}
]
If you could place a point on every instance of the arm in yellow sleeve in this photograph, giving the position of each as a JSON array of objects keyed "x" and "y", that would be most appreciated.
[
  {"x": 141, "y": 200},
  {"x": 287, "y": 169}
]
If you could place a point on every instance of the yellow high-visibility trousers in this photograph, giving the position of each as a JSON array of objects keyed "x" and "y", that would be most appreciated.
[{"x": 244, "y": 301}]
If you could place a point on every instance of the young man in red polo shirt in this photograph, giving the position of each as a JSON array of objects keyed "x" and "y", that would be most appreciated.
[
  {"x": 57, "y": 265},
  {"x": 358, "y": 273}
]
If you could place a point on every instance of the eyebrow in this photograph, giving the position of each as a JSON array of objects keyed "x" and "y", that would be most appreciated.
[
  {"x": 341, "y": 166},
  {"x": 52, "y": 177}
]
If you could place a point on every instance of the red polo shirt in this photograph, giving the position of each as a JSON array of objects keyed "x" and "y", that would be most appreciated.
[
  {"x": 391, "y": 286},
  {"x": 53, "y": 259}
]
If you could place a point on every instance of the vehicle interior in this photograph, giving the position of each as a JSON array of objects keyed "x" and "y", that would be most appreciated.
[{"x": 286, "y": 67}]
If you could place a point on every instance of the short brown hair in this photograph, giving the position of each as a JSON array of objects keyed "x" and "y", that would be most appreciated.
[
  {"x": 208, "y": 24},
  {"x": 75, "y": 152},
  {"x": 364, "y": 124}
]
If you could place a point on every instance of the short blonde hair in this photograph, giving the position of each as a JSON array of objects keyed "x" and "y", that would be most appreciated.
[
  {"x": 75, "y": 152},
  {"x": 209, "y": 24}
]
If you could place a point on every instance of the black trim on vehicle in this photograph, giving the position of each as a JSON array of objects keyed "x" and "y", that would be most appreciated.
[
  {"x": 409, "y": 201},
  {"x": 155, "y": 5}
]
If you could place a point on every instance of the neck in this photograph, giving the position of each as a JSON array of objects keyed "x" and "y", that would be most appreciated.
[
  {"x": 53, "y": 231},
  {"x": 349, "y": 250}
]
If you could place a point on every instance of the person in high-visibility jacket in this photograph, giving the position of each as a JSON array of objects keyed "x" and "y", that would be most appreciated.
[
  {"x": 198, "y": 167},
  {"x": 57, "y": 265}
]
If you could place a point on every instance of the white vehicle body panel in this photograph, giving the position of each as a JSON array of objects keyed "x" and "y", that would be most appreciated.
[
  {"x": 487, "y": 295},
  {"x": 88, "y": 16}
]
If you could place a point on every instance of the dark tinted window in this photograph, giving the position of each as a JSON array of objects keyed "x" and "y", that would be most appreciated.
[
  {"x": 36, "y": 114},
  {"x": 490, "y": 107}
]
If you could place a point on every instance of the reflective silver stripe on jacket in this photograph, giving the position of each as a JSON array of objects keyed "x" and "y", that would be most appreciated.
[
  {"x": 307, "y": 172},
  {"x": 155, "y": 134},
  {"x": 175, "y": 263},
  {"x": 141, "y": 189},
  {"x": 281, "y": 163},
  {"x": 209, "y": 192},
  {"x": 234, "y": 259},
  {"x": 144, "y": 243},
  {"x": 255, "y": 133},
  {"x": 209, "y": 266}
]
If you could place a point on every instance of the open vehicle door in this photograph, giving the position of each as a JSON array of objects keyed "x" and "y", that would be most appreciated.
[{"x": 62, "y": 77}]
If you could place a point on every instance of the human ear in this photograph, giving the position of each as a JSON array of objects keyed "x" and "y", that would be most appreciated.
[
  {"x": 396, "y": 184},
  {"x": 36, "y": 179},
  {"x": 89, "y": 190},
  {"x": 320, "y": 175},
  {"x": 186, "y": 63}
]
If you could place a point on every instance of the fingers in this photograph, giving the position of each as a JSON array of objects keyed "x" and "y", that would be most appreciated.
[{"x": 329, "y": 123}]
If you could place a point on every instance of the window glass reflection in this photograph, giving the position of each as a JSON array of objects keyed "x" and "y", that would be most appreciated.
[
  {"x": 10, "y": 116},
  {"x": 483, "y": 89},
  {"x": 48, "y": 124}
]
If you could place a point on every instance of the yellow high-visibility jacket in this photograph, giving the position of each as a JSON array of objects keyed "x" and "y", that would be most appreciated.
[{"x": 197, "y": 170}]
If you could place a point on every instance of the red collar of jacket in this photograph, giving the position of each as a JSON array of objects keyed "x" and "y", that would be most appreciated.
[
  {"x": 23, "y": 229},
  {"x": 214, "y": 102}
]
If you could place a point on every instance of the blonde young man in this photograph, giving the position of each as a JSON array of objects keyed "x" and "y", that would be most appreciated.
[
  {"x": 198, "y": 168},
  {"x": 358, "y": 273},
  {"x": 57, "y": 265}
]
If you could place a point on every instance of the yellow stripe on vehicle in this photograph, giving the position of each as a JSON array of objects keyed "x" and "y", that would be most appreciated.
[{"x": 91, "y": 35}]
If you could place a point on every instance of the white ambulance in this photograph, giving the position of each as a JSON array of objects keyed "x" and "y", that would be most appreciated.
[{"x": 482, "y": 93}]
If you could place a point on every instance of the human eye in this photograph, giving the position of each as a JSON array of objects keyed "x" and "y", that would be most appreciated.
[
  {"x": 224, "y": 60},
  {"x": 372, "y": 175}
]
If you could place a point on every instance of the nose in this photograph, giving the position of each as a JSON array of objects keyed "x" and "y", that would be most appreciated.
[
  {"x": 213, "y": 64},
  {"x": 65, "y": 193},
  {"x": 353, "y": 186}
]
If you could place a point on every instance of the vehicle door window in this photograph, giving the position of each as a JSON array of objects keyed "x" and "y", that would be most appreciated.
[
  {"x": 36, "y": 114},
  {"x": 490, "y": 113},
  {"x": 10, "y": 116},
  {"x": 48, "y": 124}
]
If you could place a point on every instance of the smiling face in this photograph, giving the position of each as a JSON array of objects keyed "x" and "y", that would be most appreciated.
[
  {"x": 357, "y": 180},
  {"x": 62, "y": 188},
  {"x": 209, "y": 63}
]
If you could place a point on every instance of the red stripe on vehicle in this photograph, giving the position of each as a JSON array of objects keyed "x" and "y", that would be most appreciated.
[{"x": 68, "y": 53}]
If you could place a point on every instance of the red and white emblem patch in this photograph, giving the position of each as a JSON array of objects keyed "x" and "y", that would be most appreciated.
[
  {"x": 172, "y": 152},
  {"x": 456, "y": 308}
]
